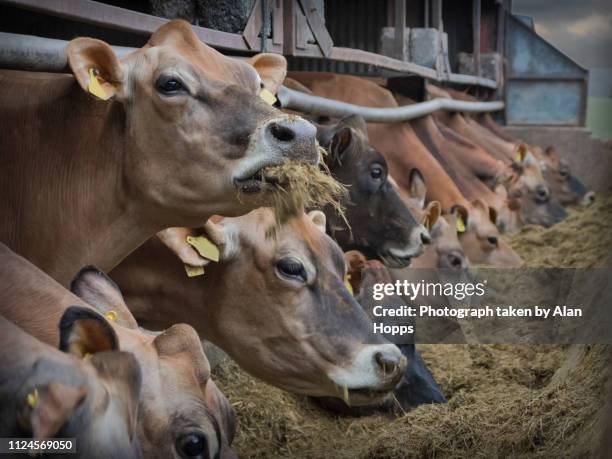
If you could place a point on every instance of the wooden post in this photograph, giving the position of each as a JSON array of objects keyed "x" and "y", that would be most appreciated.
[{"x": 289, "y": 27}]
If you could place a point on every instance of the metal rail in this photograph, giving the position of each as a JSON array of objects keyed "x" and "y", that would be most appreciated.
[
  {"x": 308, "y": 103},
  {"x": 24, "y": 52}
]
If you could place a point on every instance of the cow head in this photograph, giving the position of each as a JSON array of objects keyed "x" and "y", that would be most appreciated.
[
  {"x": 196, "y": 133},
  {"x": 181, "y": 412},
  {"x": 564, "y": 186},
  {"x": 280, "y": 308},
  {"x": 529, "y": 186},
  {"x": 445, "y": 250},
  {"x": 93, "y": 400},
  {"x": 480, "y": 237},
  {"x": 378, "y": 222}
]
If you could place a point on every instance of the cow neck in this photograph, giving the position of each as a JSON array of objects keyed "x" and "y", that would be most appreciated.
[{"x": 68, "y": 193}]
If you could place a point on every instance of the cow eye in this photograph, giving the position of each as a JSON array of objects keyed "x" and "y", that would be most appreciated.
[
  {"x": 377, "y": 173},
  {"x": 291, "y": 268},
  {"x": 192, "y": 445},
  {"x": 169, "y": 85}
]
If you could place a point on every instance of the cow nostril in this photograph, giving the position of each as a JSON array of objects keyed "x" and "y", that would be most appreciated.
[
  {"x": 281, "y": 133},
  {"x": 425, "y": 238},
  {"x": 541, "y": 191},
  {"x": 387, "y": 362},
  {"x": 454, "y": 261}
]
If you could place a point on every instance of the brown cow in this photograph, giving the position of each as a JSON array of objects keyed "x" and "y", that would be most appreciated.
[
  {"x": 46, "y": 393},
  {"x": 467, "y": 165},
  {"x": 404, "y": 152},
  {"x": 182, "y": 134},
  {"x": 180, "y": 410},
  {"x": 445, "y": 250},
  {"x": 277, "y": 305},
  {"x": 377, "y": 221}
]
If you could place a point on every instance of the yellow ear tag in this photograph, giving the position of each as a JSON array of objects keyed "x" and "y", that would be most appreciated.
[
  {"x": 193, "y": 271},
  {"x": 32, "y": 398},
  {"x": 87, "y": 356},
  {"x": 204, "y": 247},
  {"x": 267, "y": 96},
  {"x": 426, "y": 223},
  {"x": 460, "y": 224},
  {"x": 111, "y": 315},
  {"x": 94, "y": 86},
  {"x": 348, "y": 285},
  {"x": 517, "y": 158}
]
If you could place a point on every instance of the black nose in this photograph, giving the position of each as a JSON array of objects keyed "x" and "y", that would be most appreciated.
[
  {"x": 492, "y": 240},
  {"x": 388, "y": 363},
  {"x": 425, "y": 238},
  {"x": 542, "y": 192},
  {"x": 454, "y": 260},
  {"x": 293, "y": 137}
]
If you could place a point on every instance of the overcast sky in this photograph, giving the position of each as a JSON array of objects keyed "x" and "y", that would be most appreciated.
[{"x": 582, "y": 29}]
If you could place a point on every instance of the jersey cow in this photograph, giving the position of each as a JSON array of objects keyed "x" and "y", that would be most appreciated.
[
  {"x": 277, "y": 305},
  {"x": 45, "y": 393},
  {"x": 181, "y": 134},
  {"x": 180, "y": 408},
  {"x": 377, "y": 221}
]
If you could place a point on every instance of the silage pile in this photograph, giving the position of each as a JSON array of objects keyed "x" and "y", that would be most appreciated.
[{"x": 504, "y": 400}]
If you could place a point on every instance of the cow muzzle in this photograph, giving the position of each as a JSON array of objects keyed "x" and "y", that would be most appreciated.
[
  {"x": 281, "y": 139},
  {"x": 372, "y": 375}
]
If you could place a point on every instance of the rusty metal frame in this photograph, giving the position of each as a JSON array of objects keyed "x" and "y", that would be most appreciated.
[{"x": 100, "y": 14}]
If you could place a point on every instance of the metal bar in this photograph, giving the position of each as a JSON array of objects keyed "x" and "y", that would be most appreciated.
[
  {"x": 321, "y": 106},
  {"x": 426, "y": 8},
  {"x": 476, "y": 13},
  {"x": 113, "y": 17},
  {"x": 25, "y": 52},
  {"x": 399, "y": 27}
]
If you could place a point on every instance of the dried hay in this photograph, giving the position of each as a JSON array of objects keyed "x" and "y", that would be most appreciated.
[
  {"x": 522, "y": 401},
  {"x": 301, "y": 186}
]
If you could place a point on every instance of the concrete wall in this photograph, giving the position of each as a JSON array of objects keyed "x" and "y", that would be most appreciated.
[{"x": 590, "y": 159}]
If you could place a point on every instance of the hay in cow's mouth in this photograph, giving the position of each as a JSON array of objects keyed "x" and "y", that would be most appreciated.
[{"x": 294, "y": 187}]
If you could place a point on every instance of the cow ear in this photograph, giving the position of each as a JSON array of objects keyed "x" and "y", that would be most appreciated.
[
  {"x": 356, "y": 122},
  {"x": 340, "y": 142},
  {"x": 272, "y": 69},
  {"x": 461, "y": 217},
  {"x": 520, "y": 153},
  {"x": 355, "y": 262},
  {"x": 493, "y": 215},
  {"x": 318, "y": 218},
  {"x": 417, "y": 186},
  {"x": 176, "y": 240},
  {"x": 98, "y": 290},
  {"x": 197, "y": 247},
  {"x": 432, "y": 213},
  {"x": 84, "y": 332},
  {"x": 43, "y": 410},
  {"x": 96, "y": 67}
]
